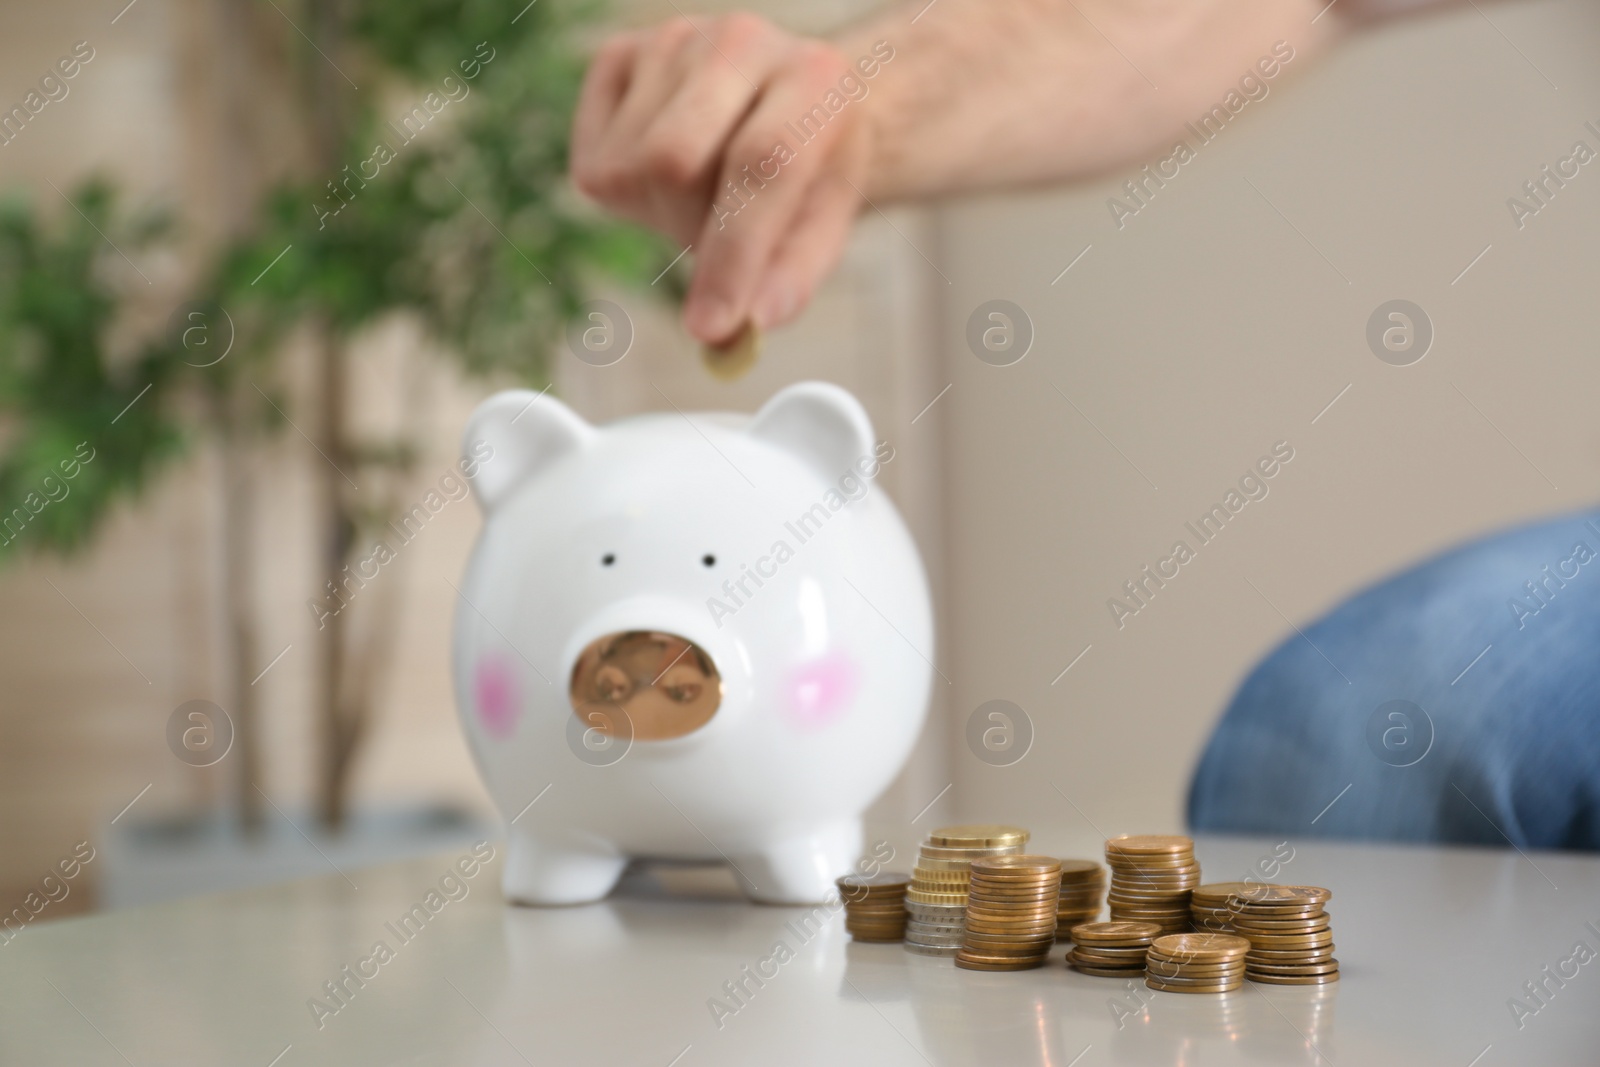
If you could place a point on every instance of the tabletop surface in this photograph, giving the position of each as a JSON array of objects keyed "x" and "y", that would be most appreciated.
[{"x": 1434, "y": 944}]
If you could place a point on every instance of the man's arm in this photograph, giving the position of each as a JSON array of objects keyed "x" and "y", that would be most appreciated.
[
  {"x": 758, "y": 148},
  {"x": 1026, "y": 92}
]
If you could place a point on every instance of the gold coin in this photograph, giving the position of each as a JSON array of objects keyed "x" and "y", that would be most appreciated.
[
  {"x": 1031, "y": 917},
  {"x": 1081, "y": 870},
  {"x": 1222, "y": 892},
  {"x": 1281, "y": 895},
  {"x": 1146, "y": 844},
  {"x": 1269, "y": 913},
  {"x": 1108, "y": 972},
  {"x": 1319, "y": 967},
  {"x": 1208, "y": 987},
  {"x": 881, "y": 880},
  {"x": 1170, "y": 971},
  {"x": 1044, "y": 865},
  {"x": 1034, "y": 932},
  {"x": 964, "y": 852},
  {"x": 733, "y": 359},
  {"x": 1303, "y": 927},
  {"x": 874, "y": 900},
  {"x": 1042, "y": 919},
  {"x": 934, "y": 863},
  {"x": 1104, "y": 959},
  {"x": 1315, "y": 955},
  {"x": 1200, "y": 947},
  {"x": 1293, "y": 979},
  {"x": 866, "y": 892},
  {"x": 921, "y": 896},
  {"x": 920, "y": 873},
  {"x": 1004, "y": 950},
  {"x": 1300, "y": 941},
  {"x": 1047, "y": 901},
  {"x": 970, "y": 964},
  {"x": 1165, "y": 878},
  {"x": 1139, "y": 895},
  {"x": 989, "y": 883},
  {"x": 1116, "y": 932},
  {"x": 979, "y": 834}
]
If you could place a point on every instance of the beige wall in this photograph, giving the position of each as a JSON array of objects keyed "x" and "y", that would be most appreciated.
[{"x": 1206, "y": 330}]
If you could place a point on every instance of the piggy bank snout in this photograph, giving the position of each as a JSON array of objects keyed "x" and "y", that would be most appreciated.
[{"x": 646, "y": 685}]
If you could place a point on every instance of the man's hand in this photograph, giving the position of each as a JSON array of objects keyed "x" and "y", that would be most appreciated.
[{"x": 714, "y": 131}]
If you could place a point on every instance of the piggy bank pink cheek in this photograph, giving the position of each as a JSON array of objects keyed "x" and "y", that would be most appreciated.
[
  {"x": 495, "y": 693},
  {"x": 820, "y": 690}
]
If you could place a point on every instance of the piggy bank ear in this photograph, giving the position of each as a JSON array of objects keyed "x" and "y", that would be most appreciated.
[
  {"x": 514, "y": 435},
  {"x": 821, "y": 424}
]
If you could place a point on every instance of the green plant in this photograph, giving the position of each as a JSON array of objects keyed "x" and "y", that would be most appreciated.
[
  {"x": 467, "y": 227},
  {"x": 59, "y": 386}
]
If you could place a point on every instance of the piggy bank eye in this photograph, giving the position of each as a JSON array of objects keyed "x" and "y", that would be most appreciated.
[
  {"x": 709, "y": 560},
  {"x": 608, "y": 559}
]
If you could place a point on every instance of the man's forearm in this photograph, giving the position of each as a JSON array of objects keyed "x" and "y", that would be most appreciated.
[{"x": 995, "y": 93}]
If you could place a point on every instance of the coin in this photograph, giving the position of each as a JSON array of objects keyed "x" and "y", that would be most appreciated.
[
  {"x": 1294, "y": 979},
  {"x": 925, "y": 896},
  {"x": 1167, "y": 971},
  {"x": 1268, "y": 895},
  {"x": 1107, "y": 972},
  {"x": 979, "y": 834},
  {"x": 941, "y": 863},
  {"x": 1284, "y": 926},
  {"x": 1201, "y": 947},
  {"x": 1150, "y": 843},
  {"x": 733, "y": 358},
  {"x": 1024, "y": 862},
  {"x": 1221, "y": 892},
  {"x": 971, "y": 964},
  {"x": 881, "y": 880},
  {"x": 1115, "y": 932},
  {"x": 1165, "y": 986},
  {"x": 1326, "y": 966},
  {"x": 930, "y": 950},
  {"x": 1297, "y": 956},
  {"x": 1315, "y": 939}
]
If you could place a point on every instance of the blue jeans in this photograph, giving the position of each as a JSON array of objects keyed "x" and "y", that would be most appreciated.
[{"x": 1458, "y": 702}]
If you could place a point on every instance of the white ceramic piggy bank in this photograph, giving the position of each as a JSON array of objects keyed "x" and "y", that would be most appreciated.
[{"x": 687, "y": 637}]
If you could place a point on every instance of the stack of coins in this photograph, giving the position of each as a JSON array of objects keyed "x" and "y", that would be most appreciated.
[
  {"x": 1111, "y": 950},
  {"x": 875, "y": 905},
  {"x": 1083, "y": 890},
  {"x": 1212, "y": 907},
  {"x": 1151, "y": 878},
  {"x": 1011, "y": 913},
  {"x": 937, "y": 899},
  {"x": 1290, "y": 940},
  {"x": 1196, "y": 963}
]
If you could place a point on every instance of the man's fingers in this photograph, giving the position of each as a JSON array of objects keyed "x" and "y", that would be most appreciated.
[
  {"x": 684, "y": 142},
  {"x": 663, "y": 62},
  {"x": 765, "y": 176},
  {"x": 604, "y": 84},
  {"x": 609, "y": 172},
  {"x": 808, "y": 253}
]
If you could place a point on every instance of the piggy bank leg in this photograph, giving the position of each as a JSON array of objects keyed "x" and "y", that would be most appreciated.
[
  {"x": 800, "y": 869},
  {"x": 559, "y": 870}
]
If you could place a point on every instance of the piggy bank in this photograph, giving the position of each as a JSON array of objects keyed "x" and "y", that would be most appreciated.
[{"x": 687, "y": 637}]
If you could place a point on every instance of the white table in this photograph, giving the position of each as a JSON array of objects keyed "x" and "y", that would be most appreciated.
[{"x": 1432, "y": 944}]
